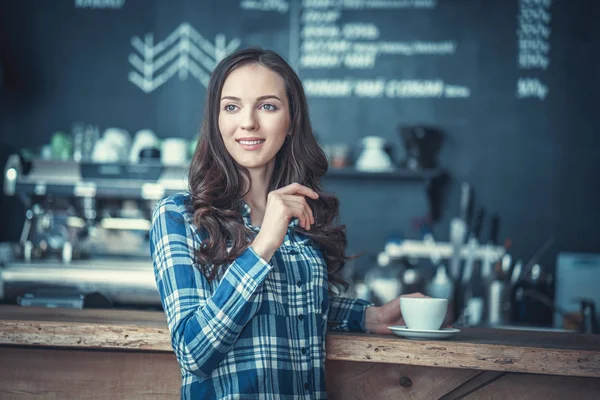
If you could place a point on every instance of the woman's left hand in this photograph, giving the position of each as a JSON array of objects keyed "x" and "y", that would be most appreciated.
[{"x": 377, "y": 319}]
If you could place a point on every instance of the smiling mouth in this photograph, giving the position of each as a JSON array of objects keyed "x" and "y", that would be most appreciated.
[{"x": 250, "y": 144}]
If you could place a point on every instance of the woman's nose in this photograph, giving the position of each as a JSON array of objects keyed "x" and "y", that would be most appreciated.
[{"x": 249, "y": 121}]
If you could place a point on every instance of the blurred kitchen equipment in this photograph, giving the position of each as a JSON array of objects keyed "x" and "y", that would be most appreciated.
[
  {"x": 530, "y": 278},
  {"x": 470, "y": 294},
  {"x": 148, "y": 154},
  {"x": 516, "y": 272},
  {"x": 86, "y": 227},
  {"x": 534, "y": 260},
  {"x": 590, "y": 319},
  {"x": 445, "y": 250},
  {"x": 422, "y": 146},
  {"x": 498, "y": 302},
  {"x": 174, "y": 152},
  {"x": 458, "y": 233},
  {"x": 105, "y": 152},
  {"x": 440, "y": 286},
  {"x": 144, "y": 139},
  {"x": 122, "y": 282},
  {"x": 486, "y": 270},
  {"x": 373, "y": 157},
  {"x": 413, "y": 280},
  {"x": 120, "y": 141},
  {"x": 84, "y": 141},
  {"x": 385, "y": 280},
  {"x": 61, "y": 145},
  {"x": 459, "y": 228},
  {"x": 340, "y": 155},
  {"x": 472, "y": 245},
  {"x": 526, "y": 307},
  {"x": 474, "y": 299},
  {"x": 577, "y": 277}
]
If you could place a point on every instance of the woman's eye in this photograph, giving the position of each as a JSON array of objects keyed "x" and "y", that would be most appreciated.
[
  {"x": 269, "y": 107},
  {"x": 230, "y": 107}
]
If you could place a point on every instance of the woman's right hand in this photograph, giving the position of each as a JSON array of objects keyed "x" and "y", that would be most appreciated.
[{"x": 282, "y": 205}]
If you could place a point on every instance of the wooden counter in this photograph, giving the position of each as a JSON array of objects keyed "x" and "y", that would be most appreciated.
[{"x": 61, "y": 353}]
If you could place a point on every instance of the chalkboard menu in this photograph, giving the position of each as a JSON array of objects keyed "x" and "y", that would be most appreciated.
[{"x": 512, "y": 84}]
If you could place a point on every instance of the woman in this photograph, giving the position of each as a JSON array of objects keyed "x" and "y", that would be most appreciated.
[{"x": 245, "y": 261}]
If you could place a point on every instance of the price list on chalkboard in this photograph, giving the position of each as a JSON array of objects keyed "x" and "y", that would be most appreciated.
[
  {"x": 533, "y": 36},
  {"x": 347, "y": 37}
]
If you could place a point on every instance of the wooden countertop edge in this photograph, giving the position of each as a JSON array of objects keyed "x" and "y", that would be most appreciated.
[
  {"x": 342, "y": 347},
  {"x": 457, "y": 354},
  {"x": 84, "y": 335}
]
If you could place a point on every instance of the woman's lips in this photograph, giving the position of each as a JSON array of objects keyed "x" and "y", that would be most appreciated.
[{"x": 251, "y": 143}]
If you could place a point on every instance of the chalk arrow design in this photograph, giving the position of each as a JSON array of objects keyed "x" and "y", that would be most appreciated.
[{"x": 184, "y": 52}]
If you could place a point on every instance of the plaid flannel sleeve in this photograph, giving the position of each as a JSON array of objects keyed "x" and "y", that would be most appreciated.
[
  {"x": 347, "y": 315},
  {"x": 204, "y": 318}
]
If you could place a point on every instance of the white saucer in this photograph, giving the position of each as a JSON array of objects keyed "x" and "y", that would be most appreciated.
[{"x": 403, "y": 331}]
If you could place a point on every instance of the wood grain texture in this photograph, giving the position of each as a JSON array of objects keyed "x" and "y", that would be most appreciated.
[
  {"x": 537, "y": 387},
  {"x": 483, "y": 379},
  {"x": 348, "y": 380},
  {"x": 459, "y": 354},
  {"x": 551, "y": 353},
  {"x": 66, "y": 334},
  {"x": 33, "y": 372},
  {"x": 364, "y": 380},
  {"x": 63, "y": 374}
]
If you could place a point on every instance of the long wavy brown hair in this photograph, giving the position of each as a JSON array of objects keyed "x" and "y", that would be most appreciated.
[{"x": 217, "y": 182}]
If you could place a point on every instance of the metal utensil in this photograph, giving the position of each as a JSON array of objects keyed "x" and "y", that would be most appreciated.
[{"x": 533, "y": 260}]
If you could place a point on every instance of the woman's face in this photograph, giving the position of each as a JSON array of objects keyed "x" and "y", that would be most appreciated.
[{"x": 254, "y": 116}]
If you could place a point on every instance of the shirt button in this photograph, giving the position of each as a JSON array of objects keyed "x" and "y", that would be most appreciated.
[
  {"x": 306, "y": 385},
  {"x": 303, "y": 350},
  {"x": 300, "y": 317},
  {"x": 299, "y": 283}
]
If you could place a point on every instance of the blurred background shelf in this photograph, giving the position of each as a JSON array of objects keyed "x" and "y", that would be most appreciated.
[
  {"x": 397, "y": 174},
  {"x": 147, "y": 181}
]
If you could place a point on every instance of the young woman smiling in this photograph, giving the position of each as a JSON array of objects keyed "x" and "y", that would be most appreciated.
[{"x": 246, "y": 262}]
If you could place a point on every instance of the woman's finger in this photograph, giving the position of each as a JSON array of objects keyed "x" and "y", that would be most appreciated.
[
  {"x": 302, "y": 202},
  {"x": 296, "y": 188},
  {"x": 298, "y": 211}
]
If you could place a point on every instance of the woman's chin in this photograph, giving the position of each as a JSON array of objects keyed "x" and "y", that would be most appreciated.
[{"x": 252, "y": 163}]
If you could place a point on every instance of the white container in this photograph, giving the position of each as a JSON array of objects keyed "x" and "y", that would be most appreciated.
[
  {"x": 119, "y": 140},
  {"x": 174, "y": 152},
  {"x": 373, "y": 158},
  {"x": 423, "y": 313},
  {"x": 143, "y": 139}
]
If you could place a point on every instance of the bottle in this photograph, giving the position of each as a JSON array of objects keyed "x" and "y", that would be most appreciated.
[
  {"x": 442, "y": 286},
  {"x": 475, "y": 297}
]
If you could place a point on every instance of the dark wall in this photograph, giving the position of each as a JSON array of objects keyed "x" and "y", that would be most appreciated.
[{"x": 532, "y": 160}]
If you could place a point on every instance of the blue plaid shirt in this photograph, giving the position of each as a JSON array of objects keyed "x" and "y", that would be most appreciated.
[{"x": 258, "y": 330}]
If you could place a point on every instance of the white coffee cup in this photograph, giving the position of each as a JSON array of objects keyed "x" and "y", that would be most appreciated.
[
  {"x": 423, "y": 313},
  {"x": 174, "y": 151},
  {"x": 143, "y": 139}
]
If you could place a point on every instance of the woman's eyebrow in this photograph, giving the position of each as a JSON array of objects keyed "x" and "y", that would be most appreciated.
[{"x": 261, "y": 98}]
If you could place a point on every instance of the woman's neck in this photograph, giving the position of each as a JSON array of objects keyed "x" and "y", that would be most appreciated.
[{"x": 256, "y": 198}]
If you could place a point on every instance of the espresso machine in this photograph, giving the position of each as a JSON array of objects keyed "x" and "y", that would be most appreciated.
[
  {"x": 422, "y": 145},
  {"x": 84, "y": 241}
]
